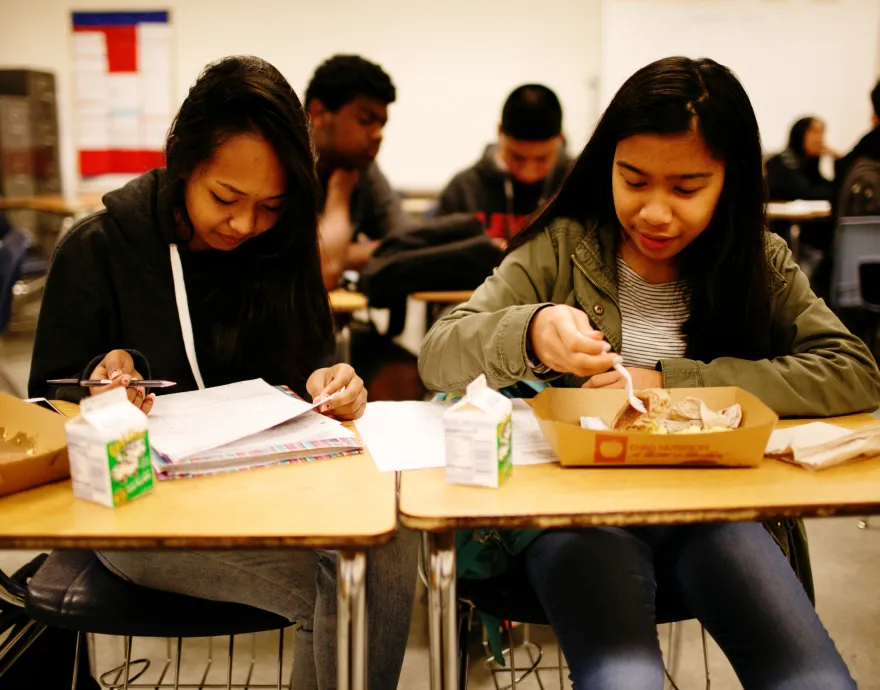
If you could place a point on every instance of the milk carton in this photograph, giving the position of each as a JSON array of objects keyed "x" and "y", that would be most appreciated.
[
  {"x": 478, "y": 435},
  {"x": 109, "y": 450}
]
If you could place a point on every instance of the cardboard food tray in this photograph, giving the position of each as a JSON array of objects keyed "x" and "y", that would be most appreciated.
[
  {"x": 559, "y": 410},
  {"x": 48, "y": 463}
]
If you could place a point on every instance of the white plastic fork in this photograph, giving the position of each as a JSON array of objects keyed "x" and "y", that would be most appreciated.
[{"x": 633, "y": 400}]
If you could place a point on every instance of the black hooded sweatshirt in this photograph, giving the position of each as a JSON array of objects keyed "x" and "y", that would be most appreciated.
[
  {"x": 481, "y": 189},
  {"x": 868, "y": 147},
  {"x": 110, "y": 286}
]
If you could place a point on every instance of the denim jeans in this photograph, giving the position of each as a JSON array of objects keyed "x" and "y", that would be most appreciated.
[
  {"x": 598, "y": 588},
  {"x": 300, "y": 585}
]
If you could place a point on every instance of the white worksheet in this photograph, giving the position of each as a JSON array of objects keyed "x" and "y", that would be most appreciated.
[
  {"x": 183, "y": 424},
  {"x": 409, "y": 435}
]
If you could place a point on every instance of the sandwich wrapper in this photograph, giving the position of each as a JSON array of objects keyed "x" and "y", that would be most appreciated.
[
  {"x": 819, "y": 445},
  {"x": 560, "y": 411},
  {"x": 33, "y": 446}
]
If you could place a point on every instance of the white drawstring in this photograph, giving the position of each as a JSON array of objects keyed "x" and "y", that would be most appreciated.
[{"x": 186, "y": 329}]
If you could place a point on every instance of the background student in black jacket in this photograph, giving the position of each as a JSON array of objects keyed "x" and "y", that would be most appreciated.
[
  {"x": 225, "y": 238},
  {"x": 868, "y": 146},
  {"x": 794, "y": 173}
]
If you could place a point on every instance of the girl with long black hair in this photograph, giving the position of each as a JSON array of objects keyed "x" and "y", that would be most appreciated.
[
  {"x": 654, "y": 251},
  {"x": 207, "y": 272}
]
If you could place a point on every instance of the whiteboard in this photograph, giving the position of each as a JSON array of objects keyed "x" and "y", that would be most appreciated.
[{"x": 794, "y": 57}]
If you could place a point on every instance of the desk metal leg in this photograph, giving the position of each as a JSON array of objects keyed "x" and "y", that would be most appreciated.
[
  {"x": 351, "y": 571},
  {"x": 345, "y": 343},
  {"x": 442, "y": 610}
]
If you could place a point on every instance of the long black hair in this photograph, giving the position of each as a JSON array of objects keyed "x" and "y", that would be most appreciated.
[
  {"x": 726, "y": 267},
  {"x": 809, "y": 164},
  {"x": 270, "y": 310}
]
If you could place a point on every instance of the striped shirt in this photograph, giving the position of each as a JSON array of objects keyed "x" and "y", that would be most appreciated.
[{"x": 652, "y": 315}]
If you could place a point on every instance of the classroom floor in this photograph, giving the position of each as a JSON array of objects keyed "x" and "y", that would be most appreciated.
[{"x": 846, "y": 567}]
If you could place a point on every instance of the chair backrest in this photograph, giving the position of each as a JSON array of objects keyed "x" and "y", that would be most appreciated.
[
  {"x": 13, "y": 248},
  {"x": 869, "y": 281},
  {"x": 860, "y": 190},
  {"x": 854, "y": 238}
]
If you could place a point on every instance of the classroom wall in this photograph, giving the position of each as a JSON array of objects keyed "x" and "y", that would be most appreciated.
[
  {"x": 794, "y": 57},
  {"x": 453, "y": 61}
]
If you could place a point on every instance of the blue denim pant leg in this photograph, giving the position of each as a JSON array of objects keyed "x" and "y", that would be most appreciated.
[
  {"x": 598, "y": 587},
  {"x": 736, "y": 581}
]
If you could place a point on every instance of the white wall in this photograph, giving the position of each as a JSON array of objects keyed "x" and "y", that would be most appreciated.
[
  {"x": 794, "y": 57},
  {"x": 453, "y": 61}
]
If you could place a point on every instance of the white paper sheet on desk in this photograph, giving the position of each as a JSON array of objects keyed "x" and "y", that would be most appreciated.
[
  {"x": 409, "y": 435},
  {"x": 183, "y": 424}
]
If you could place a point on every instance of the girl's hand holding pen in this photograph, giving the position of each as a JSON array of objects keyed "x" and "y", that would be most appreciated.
[{"x": 118, "y": 367}]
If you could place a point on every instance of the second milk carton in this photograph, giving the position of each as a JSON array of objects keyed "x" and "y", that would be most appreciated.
[
  {"x": 478, "y": 436},
  {"x": 109, "y": 450}
]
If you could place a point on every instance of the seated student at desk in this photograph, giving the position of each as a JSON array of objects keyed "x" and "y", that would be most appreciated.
[
  {"x": 658, "y": 233},
  {"x": 519, "y": 173},
  {"x": 347, "y": 101},
  {"x": 868, "y": 146},
  {"x": 209, "y": 271},
  {"x": 794, "y": 174}
]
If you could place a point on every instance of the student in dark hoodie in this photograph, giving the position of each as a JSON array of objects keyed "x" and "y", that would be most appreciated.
[
  {"x": 517, "y": 174},
  {"x": 205, "y": 273},
  {"x": 868, "y": 146}
]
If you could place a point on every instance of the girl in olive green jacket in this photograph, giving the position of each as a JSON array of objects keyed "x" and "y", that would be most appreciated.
[{"x": 654, "y": 251}]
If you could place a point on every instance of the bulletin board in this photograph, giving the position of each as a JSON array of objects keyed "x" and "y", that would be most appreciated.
[{"x": 122, "y": 68}]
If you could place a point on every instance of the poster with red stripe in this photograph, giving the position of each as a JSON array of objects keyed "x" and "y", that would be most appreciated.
[{"x": 122, "y": 90}]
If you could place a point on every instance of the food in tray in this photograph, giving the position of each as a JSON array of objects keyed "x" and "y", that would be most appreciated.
[{"x": 689, "y": 416}]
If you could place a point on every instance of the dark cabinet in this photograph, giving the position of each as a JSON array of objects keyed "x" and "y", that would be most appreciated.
[{"x": 36, "y": 90}]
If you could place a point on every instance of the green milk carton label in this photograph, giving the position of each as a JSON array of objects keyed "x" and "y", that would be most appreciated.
[
  {"x": 109, "y": 450},
  {"x": 505, "y": 449},
  {"x": 478, "y": 434},
  {"x": 131, "y": 472}
]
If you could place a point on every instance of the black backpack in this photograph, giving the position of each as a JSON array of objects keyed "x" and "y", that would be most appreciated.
[
  {"x": 448, "y": 253},
  {"x": 860, "y": 191}
]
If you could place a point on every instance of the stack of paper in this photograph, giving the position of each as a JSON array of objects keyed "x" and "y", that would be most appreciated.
[
  {"x": 819, "y": 445},
  {"x": 240, "y": 426}
]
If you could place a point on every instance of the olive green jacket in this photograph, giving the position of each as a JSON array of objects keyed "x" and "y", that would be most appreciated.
[{"x": 816, "y": 367}]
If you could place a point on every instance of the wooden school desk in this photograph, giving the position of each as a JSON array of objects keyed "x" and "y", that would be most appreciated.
[
  {"x": 437, "y": 301},
  {"x": 545, "y": 496},
  {"x": 55, "y": 203},
  {"x": 796, "y": 213},
  {"x": 344, "y": 504}
]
